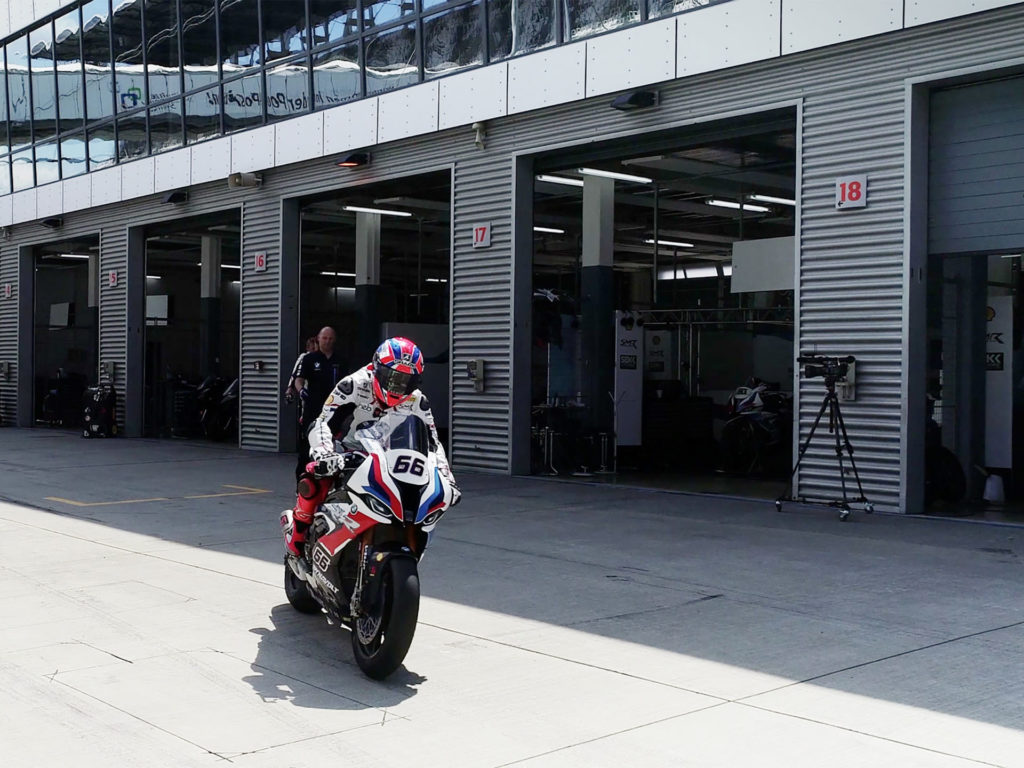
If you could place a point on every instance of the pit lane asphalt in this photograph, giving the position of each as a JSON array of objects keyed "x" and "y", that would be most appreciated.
[{"x": 561, "y": 625}]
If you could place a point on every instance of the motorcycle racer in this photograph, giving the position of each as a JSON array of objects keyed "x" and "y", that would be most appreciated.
[{"x": 390, "y": 383}]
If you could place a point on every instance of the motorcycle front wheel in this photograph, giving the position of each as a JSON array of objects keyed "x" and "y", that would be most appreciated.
[{"x": 380, "y": 641}]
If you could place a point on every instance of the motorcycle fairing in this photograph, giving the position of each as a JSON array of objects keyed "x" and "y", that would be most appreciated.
[
  {"x": 433, "y": 498},
  {"x": 378, "y": 486}
]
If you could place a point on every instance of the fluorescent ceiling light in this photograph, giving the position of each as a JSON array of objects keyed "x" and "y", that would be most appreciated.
[
  {"x": 72, "y": 256},
  {"x": 549, "y": 230},
  {"x": 733, "y": 204},
  {"x": 770, "y": 199},
  {"x": 381, "y": 211},
  {"x": 561, "y": 180},
  {"x": 230, "y": 266},
  {"x": 437, "y": 279},
  {"x": 614, "y": 175},
  {"x": 693, "y": 272},
  {"x": 339, "y": 274},
  {"x": 236, "y": 282},
  {"x": 153, "y": 277},
  {"x": 670, "y": 243},
  {"x": 1011, "y": 255},
  {"x": 345, "y": 288}
]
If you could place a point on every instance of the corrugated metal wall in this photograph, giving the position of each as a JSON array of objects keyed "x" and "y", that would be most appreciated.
[
  {"x": 9, "y": 332},
  {"x": 113, "y": 336}
]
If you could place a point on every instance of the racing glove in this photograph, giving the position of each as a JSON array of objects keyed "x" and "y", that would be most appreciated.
[
  {"x": 327, "y": 463},
  {"x": 456, "y": 495}
]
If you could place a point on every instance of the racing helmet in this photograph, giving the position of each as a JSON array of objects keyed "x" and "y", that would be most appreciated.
[{"x": 397, "y": 366}]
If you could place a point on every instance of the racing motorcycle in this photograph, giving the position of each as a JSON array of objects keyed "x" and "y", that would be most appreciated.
[
  {"x": 359, "y": 564},
  {"x": 757, "y": 436}
]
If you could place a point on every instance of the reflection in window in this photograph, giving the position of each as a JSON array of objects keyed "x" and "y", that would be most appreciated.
[
  {"x": 386, "y": 11},
  {"x": 336, "y": 76},
  {"x": 72, "y": 156},
  {"x": 129, "y": 85},
  {"x": 17, "y": 94},
  {"x": 47, "y": 164},
  {"x": 658, "y": 8},
  {"x": 520, "y": 26},
  {"x": 284, "y": 28},
  {"x": 102, "y": 149},
  {"x": 199, "y": 42},
  {"x": 5, "y": 145},
  {"x": 5, "y": 175},
  {"x": 131, "y": 136},
  {"x": 239, "y": 35},
  {"x": 70, "y": 99},
  {"x": 163, "y": 63},
  {"x": 243, "y": 103},
  {"x": 391, "y": 59},
  {"x": 332, "y": 20},
  {"x": 44, "y": 96},
  {"x": 202, "y": 115},
  {"x": 453, "y": 40},
  {"x": 165, "y": 127},
  {"x": 590, "y": 17},
  {"x": 22, "y": 170},
  {"x": 288, "y": 90},
  {"x": 99, "y": 80}
]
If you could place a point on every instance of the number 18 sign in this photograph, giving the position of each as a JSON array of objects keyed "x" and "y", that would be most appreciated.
[{"x": 851, "y": 192}]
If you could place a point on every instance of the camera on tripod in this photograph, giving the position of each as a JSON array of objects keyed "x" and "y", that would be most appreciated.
[{"x": 820, "y": 366}]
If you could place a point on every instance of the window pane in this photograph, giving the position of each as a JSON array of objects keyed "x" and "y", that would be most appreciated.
[
  {"x": 44, "y": 97},
  {"x": 199, "y": 25},
  {"x": 284, "y": 28},
  {"x": 391, "y": 59},
  {"x": 162, "y": 60},
  {"x": 590, "y": 17},
  {"x": 520, "y": 26},
  {"x": 5, "y": 175},
  {"x": 128, "y": 81},
  {"x": 336, "y": 76},
  {"x": 70, "y": 99},
  {"x": 165, "y": 127},
  {"x": 131, "y": 136},
  {"x": 47, "y": 166},
  {"x": 239, "y": 35},
  {"x": 5, "y": 145},
  {"x": 243, "y": 103},
  {"x": 17, "y": 93},
  {"x": 386, "y": 11},
  {"x": 72, "y": 156},
  {"x": 667, "y": 7},
  {"x": 22, "y": 170},
  {"x": 333, "y": 20},
  {"x": 102, "y": 149},
  {"x": 453, "y": 40},
  {"x": 288, "y": 90},
  {"x": 99, "y": 80},
  {"x": 202, "y": 115}
]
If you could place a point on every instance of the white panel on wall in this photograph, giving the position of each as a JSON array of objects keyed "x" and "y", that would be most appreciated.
[
  {"x": 480, "y": 94},
  {"x": 106, "y": 186},
  {"x": 927, "y": 11},
  {"x": 810, "y": 24},
  {"x": 49, "y": 200},
  {"x": 211, "y": 160},
  {"x": 173, "y": 170},
  {"x": 5, "y": 21},
  {"x": 299, "y": 138},
  {"x": 6, "y": 210},
  {"x": 43, "y": 7},
  {"x": 729, "y": 34},
  {"x": 253, "y": 150},
  {"x": 350, "y": 126},
  {"x": 24, "y": 206},
  {"x": 555, "y": 76},
  {"x": 408, "y": 112},
  {"x": 22, "y": 14},
  {"x": 631, "y": 57},
  {"x": 137, "y": 178},
  {"x": 77, "y": 193}
]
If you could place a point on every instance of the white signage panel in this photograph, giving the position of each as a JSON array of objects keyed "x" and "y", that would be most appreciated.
[
  {"x": 482, "y": 235},
  {"x": 851, "y": 192},
  {"x": 999, "y": 383},
  {"x": 260, "y": 262},
  {"x": 629, "y": 379}
]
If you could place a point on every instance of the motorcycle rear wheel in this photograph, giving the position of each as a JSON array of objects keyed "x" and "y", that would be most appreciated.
[
  {"x": 297, "y": 592},
  {"x": 380, "y": 642}
]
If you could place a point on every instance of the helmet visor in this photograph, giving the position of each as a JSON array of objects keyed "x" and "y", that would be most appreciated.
[{"x": 395, "y": 382}]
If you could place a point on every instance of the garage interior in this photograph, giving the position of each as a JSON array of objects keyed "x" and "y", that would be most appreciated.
[
  {"x": 375, "y": 263},
  {"x": 663, "y": 309}
]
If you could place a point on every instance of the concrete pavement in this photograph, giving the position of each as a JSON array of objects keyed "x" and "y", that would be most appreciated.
[{"x": 143, "y": 623}]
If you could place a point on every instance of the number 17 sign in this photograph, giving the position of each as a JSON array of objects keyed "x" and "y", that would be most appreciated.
[
  {"x": 851, "y": 192},
  {"x": 482, "y": 235}
]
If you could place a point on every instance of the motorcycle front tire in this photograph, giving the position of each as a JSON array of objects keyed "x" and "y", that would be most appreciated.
[{"x": 399, "y": 611}]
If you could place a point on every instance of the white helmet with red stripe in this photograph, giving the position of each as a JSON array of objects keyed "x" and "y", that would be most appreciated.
[{"x": 397, "y": 366}]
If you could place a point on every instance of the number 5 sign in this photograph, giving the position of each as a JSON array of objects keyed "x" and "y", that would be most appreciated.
[
  {"x": 851, "y": 192},
  {"x": 482, "y": 235}
]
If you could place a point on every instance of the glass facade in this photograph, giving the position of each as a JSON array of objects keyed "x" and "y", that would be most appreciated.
[{"x": 108, "y": 81}]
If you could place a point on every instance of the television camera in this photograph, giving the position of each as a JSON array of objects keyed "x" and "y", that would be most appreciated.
[{"x": 834, "y": 368}]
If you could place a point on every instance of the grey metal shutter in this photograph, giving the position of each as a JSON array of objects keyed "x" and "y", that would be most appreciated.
[
  {"x": 976, "y": 168},
  {"x": 113, "y": 335},
  {"x": 9, "y": 333}
]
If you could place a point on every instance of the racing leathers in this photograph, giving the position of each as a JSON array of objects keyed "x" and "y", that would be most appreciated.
[{"x": 349, "y": 406}]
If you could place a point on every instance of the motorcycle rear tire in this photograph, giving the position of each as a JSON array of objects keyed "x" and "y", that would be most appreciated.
[
  {"x": 400, "y": 607},
  {"x": 297, "y": 592}
]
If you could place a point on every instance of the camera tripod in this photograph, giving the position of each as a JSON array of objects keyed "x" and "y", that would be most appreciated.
[{"x": 836, "y": 426}]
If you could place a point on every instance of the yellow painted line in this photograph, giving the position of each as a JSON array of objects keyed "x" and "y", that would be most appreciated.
[{"x": 241, "y": 491}]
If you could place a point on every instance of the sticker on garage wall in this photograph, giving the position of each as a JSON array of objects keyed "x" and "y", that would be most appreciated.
[
  {"x": 851, "y": 192},
  {"x": 482, "y": 235}
]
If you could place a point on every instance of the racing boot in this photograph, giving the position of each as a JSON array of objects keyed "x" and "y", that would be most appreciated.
[
  {"x": 295, "y": 522},
  {"x": 294, "y": 531}
]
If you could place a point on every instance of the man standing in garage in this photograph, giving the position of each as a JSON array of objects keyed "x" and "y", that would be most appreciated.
[{"x": 319, "y": 372}]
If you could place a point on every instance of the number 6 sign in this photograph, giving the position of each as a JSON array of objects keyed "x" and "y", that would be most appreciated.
[{"x": 851, "y": 192}]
